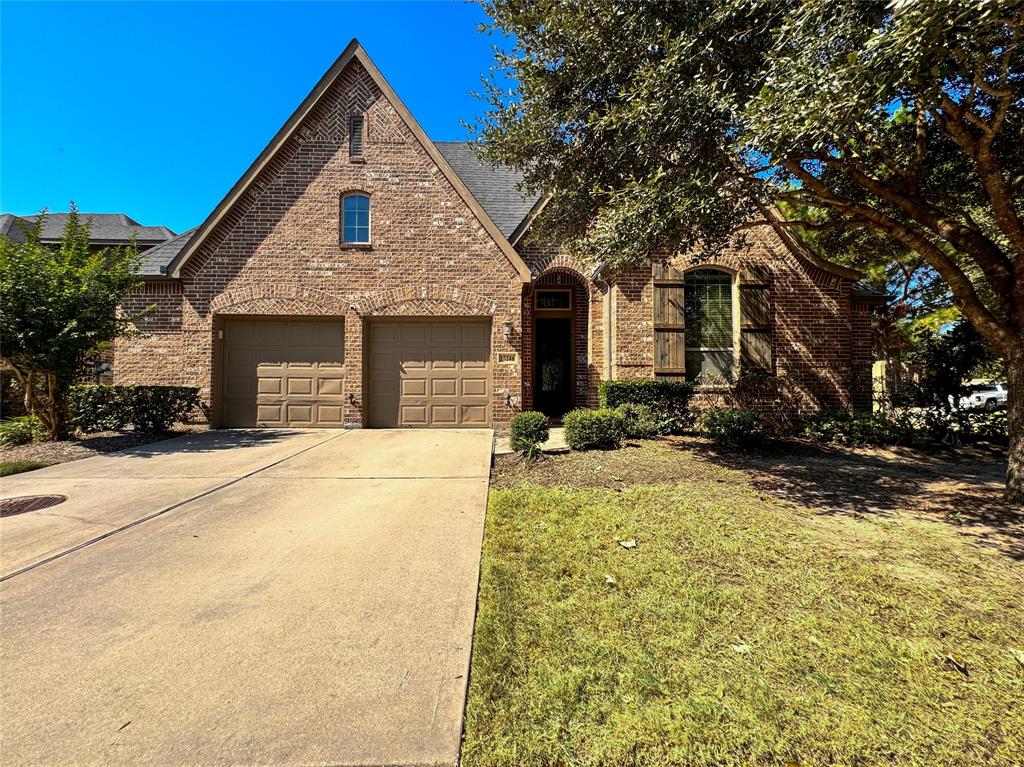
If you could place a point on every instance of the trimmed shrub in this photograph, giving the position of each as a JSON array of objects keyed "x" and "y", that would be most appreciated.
[
  {"x": 920, "y": 427},
  {"x": 669, "y": 401},
  {"x": 593, "y": 429},
  {"x": 95, "y": 407},
  {"x": 21, "y": 430},
  {"x": 856, "y": 430},
  {"x": 144, "y": 408},
  {"x": 527, "y": 431},
  {"x": 735, "y": 427},
  {"x": 158, "y": 408},
  {"x": 990, "y": 427},
  {"x": 638, "y": 421}
]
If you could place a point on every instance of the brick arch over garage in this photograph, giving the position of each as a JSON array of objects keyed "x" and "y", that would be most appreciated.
[
  {"x": 278, "y": 299},
  {"x": 425, "y": 300}
]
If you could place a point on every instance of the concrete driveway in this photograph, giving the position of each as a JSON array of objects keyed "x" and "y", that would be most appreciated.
[{"x": 288, "y": 597}]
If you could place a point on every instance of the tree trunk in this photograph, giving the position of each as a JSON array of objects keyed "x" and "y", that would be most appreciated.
[{"x": 1015, "y": 426}]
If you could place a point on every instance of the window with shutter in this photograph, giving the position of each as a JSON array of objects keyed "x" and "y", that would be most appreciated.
[
  {"x": 356, "y": 136},
  {"x": 707, "y": 308},
  {"x": 696, "y": 324}
]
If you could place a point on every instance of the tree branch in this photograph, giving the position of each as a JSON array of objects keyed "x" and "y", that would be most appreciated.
[
  {"x": 992, "y": 261},
  {"x": 963, "y": 289}
]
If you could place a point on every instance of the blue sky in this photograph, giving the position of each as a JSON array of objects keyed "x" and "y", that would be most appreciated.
[{"x": 155, "y": 109}]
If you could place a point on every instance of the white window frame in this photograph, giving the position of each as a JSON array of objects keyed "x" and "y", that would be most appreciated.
[
  {"x": 369, "y": 218},
  {"x": 734, "y": 294}
]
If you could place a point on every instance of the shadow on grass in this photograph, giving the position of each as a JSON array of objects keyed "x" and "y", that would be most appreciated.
[{"x": 962, "y": 487}]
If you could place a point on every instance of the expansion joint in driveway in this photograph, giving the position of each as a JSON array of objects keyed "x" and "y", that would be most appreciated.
[{"x": 166, "y": 509}]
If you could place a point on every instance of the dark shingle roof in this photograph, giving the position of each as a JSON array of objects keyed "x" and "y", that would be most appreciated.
[
  {"x": 106, "y": 228},
  {"x": 156, "y": 259},
  {"x": 495, "y": 188},
  {"x": 865, "y": 291}
]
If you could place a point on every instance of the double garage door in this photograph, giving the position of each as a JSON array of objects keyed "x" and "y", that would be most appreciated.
[{"x": 419, "y": 373}]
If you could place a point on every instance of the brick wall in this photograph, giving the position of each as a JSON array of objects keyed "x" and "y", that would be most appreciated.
[
  {"x": 278, "y": 251},
  {"x": 552, "y": 268},
  {"x": 821, "y": 336}
]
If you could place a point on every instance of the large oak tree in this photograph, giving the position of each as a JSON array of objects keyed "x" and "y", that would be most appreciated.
[{"x": 663, "y": 124}]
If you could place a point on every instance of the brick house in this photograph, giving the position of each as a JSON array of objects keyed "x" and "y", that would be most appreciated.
[
  {"x": 105, "y": 230},
  {"x": 359, "y": 274}
]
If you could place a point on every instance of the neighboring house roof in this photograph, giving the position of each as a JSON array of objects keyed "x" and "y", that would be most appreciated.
[
  {"x": 156, "y": 259},
  {"x": 352, "y": 51},
  {"x": 496, "y": 188},
  {"x": 105, "y": 228}
]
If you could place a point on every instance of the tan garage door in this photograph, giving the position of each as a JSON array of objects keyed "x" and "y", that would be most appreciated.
[
  {"x": 283, "y": 372},
  {"x": 430, "y": 373}
]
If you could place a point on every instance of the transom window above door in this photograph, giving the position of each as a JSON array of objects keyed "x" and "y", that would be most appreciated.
[
  {"x": 557, "y": 299},
  {"x": 355, "y": 219}
]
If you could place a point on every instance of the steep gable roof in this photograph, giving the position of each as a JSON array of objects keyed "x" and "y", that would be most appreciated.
[
  {"x": 352, "y": 51},
  {"x": 496, "y": 188},
  {"x": 156, "y": 259}
]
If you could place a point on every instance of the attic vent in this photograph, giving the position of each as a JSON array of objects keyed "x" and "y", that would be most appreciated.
[{"x": 356, "y": 136}]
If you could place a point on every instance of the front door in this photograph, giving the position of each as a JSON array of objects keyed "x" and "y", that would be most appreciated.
[{"x": 553, "y": 365}]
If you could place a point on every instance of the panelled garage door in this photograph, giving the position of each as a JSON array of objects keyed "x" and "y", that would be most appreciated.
[
  {"x": 429, "y": 373},
  {"x": 283, "y": 372}
]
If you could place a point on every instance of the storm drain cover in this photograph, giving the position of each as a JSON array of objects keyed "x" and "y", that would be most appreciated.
[{"x": 11, "y": 506}]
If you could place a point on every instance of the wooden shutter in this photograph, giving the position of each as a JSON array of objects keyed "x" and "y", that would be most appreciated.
[
  {"x": 755, "y": 320},
  {"x": 669, "y": 322}
]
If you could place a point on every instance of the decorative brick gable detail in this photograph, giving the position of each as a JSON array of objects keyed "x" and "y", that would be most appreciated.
[{"x": 278, "y": 251}]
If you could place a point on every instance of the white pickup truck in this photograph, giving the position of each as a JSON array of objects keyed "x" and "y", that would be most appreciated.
[{"x": 984, "y": 397}]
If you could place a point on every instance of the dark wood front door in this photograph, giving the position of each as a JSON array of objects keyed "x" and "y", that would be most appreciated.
[{"x": 553, "y": 373}]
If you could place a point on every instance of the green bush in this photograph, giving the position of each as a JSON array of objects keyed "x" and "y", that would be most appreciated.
[
  {"x": 99, "y": 408},
  {"x": 638, "y": 421},
  {"x": 21, "y": 431},
  {"x": 144, "y": 408},
  {"x": 527, "y": 431},
  {"x": 735, "y": 427},
  {"x": 855, "y": 430},
  {"x": 990, "y": 427},
  {"x": 919, "y": 427},
  {"x": 589, "y": 429},
  {"x": 669, "y": 401}
]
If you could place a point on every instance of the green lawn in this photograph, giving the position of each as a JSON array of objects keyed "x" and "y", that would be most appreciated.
[
  {"x": 739, "y": 631},
  {"x": 17, "y": 467}
]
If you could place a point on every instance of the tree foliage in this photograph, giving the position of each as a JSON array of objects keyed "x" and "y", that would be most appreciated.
[
  {"x": 948, "y": 359},
  {"x": 58, "y": 307},
  {"x": 662, "y": 126}
]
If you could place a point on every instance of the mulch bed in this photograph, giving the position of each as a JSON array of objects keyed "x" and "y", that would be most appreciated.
[{"x": 89, "y": 445}]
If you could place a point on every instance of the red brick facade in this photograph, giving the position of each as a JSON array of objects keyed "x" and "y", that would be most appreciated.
[
  {"x": 820, "y": 333},
  {"x": 278, "y": 251}
]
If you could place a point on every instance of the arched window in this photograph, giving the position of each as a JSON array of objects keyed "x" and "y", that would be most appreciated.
[
  {"x": 709, "y": 327},
  {"x": 355, "y": 219}
]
